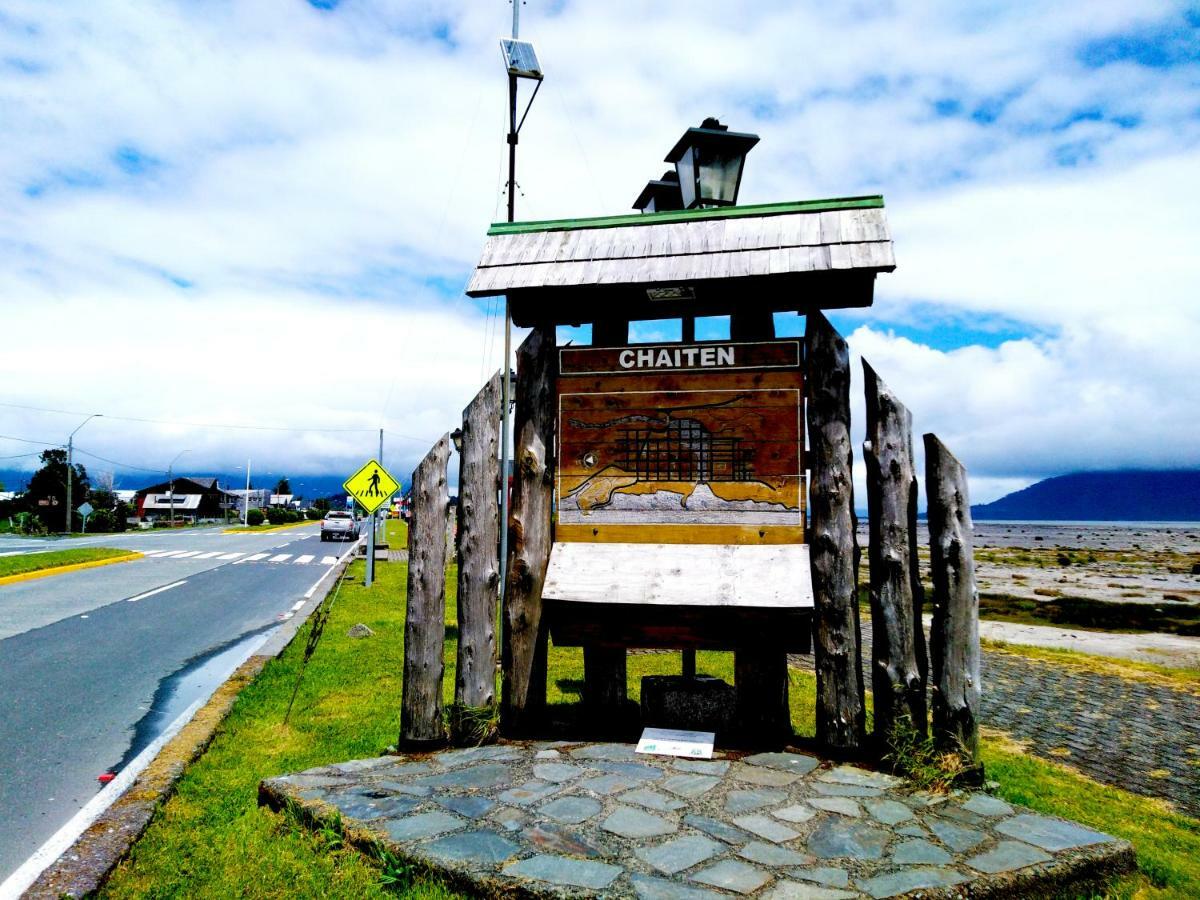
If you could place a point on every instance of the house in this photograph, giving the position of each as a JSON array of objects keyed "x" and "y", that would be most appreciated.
[{"x": 190, "y": 499}]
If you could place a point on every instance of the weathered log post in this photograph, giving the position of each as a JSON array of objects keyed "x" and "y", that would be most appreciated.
[
  {"x": 523, "y": 690},
  {"x": 425, "y": 619},
  {"x": 832, "y": 541},
  {"x": 478, "y": 563},
  {"x": 898, "y": 652},
  {"x": 954, "y": 637}
]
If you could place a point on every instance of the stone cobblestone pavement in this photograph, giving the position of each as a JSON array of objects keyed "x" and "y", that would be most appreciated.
[
  {"x": 565, "y": 820},
  {"x": 1140, "y": 735}
]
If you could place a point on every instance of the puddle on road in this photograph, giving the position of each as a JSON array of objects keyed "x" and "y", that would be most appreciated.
[{"x": 196, "y": 680}]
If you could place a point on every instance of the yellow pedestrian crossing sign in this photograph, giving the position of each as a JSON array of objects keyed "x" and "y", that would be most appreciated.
[{"x": 371, "y": 486}]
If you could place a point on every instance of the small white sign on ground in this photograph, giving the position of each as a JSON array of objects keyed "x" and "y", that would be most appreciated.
[{"x": 673, "y": 742}]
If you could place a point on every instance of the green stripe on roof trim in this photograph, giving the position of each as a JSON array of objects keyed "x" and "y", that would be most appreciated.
[{"x": 874, "y": 201}]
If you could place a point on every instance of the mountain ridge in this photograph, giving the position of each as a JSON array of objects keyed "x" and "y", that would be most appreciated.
[{"x": 1119, "y": 495}]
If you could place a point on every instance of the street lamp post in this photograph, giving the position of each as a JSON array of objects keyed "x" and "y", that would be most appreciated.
[
  {"x": 71, "y": 468},
  {"x": 171, "y": 483}
]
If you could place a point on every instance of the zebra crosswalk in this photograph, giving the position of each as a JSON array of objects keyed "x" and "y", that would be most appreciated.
[{"x": 304, "y": 559}]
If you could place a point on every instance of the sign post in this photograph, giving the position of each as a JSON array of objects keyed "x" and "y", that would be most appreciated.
[
  {"x": 85, "y": 510},
  {"x": 371, "y": 487}
]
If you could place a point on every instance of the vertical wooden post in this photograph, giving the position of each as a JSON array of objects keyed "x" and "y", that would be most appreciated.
[
  {"x": 898, "y": 651},
  {"x": 523, "y": 691},
  {"x": 832, "y": 542},
  {"x": 760, "y": 680},
  {"x": 954, "y": 637},
  {"x": 425, "y": 620},
  {"x": 478, "y": 559},
  {"x": 610, "y": 333},
  {"x": 605, "y": 688},
  {"x": 687, "y": 663}
]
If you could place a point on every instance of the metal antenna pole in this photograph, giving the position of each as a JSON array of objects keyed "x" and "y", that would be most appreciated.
[{"x": 506, "y": 389}]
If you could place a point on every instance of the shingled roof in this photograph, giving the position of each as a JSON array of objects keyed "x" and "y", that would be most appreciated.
[{"x": 849, "y": 233}]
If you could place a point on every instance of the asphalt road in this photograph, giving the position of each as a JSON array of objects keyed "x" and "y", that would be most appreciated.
[{"x": 96, "y": 663}]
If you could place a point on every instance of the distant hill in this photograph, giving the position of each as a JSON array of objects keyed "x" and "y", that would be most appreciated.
[{"x": 1123, "y": 496}]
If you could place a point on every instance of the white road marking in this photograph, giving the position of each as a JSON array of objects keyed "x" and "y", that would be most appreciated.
[
  {"x": 299, "y": 605},
  {"x": 20, "y": 880},
  {"x": 254, "y": 558},
  {"x": 280, "y": 557},
  {"x": 208, "y": 555},
  {"x": 164, "y": 554},
  {"x": 230, "y": 555},
  {"x": 157, "y": 552},
  {"x": 325, "y": 574},
  {"x": 188, "y": 553},
  {"x": 329, "y": 561},
  {"x": 304, "y": 560},
  {"x": 166, "y": 587}
]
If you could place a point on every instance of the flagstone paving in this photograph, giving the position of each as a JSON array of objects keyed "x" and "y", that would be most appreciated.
[
  {"x": 566, "y": 820},
  {"x": 1106, "y": 726}
]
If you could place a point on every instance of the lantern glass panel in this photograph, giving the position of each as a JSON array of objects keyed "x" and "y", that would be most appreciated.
[
  {"x": 717, "y": 173},
  {"x": 686, "y": 167}
]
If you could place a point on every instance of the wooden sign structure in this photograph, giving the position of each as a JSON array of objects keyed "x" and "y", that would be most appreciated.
[
  {"x": 679, "y": 492},
  {"x": 674, "y": 470},
  {"x": 681, "y": 444}
]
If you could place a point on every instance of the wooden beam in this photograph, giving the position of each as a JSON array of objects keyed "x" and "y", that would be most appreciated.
[
  {"x": 523, "y": 691},
  {"x": 833, "y": 546},
  {"x": 804, "y": 293},
  {"x": 425, "y": 620},
  {"x": 478, "y": 561},
  {"x": 954, "y": 638},
  {"x": 898, "y": 652}
]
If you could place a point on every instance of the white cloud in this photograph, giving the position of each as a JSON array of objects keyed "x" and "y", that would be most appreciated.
[{"x": 306, "y": 172}]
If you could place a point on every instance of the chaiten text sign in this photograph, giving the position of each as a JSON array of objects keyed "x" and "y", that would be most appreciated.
[{"x": 681, "y": 443}]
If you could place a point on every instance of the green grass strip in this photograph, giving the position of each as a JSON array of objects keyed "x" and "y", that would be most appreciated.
[{"x": 37, "y": 562}]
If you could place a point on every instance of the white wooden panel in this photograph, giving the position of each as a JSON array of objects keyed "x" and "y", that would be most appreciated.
[
  {"x": 489, "y": 251},
  {"x": 831, "y": 227},
  {"x": 810, "y": 229},
  {"x": 566, "y": 250},
  {"x": 773, "y": 576},
  {"x": 839, "y": 256}
]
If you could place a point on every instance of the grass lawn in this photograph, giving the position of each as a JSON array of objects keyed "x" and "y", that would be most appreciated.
[
  {"x": 1103, "y": 665},
  {"x": 212, "y": 840},
  {"x": 36, "y": 562},
  {"x": 396, "y": 534}
]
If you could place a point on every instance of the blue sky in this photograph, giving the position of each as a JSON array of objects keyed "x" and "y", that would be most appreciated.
[{"x": 255, "y": 188}]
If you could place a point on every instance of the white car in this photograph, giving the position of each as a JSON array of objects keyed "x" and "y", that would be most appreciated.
[{"x": 340, "y": 525}]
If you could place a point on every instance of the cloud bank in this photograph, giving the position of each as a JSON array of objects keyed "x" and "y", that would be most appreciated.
[{"x": 264, "y": 214}]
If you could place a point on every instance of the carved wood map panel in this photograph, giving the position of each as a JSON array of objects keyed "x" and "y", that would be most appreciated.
[{"x": 681, "y": 443}]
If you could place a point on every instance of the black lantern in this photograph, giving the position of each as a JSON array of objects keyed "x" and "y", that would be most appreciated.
[
  {"x": 709, "y": 162},
  {"x": 661, "y": 195}
]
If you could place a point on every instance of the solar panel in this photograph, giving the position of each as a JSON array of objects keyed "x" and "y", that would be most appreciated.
[{"x": 520, "y": 58}]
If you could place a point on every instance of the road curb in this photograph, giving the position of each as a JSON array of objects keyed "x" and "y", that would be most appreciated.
[
  {"x": 71, "y": 567},
  {"x": 83, "y": 868}
]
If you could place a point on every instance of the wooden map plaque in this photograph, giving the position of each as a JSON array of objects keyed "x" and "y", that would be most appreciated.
[{"x": 681, "y": 443}]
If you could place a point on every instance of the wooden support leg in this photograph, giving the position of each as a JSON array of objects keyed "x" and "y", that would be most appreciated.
[
  {"x": 604, "y": 685},
  {"x": 761, "y": 682},
  {"x": 689, "y": 663}
]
